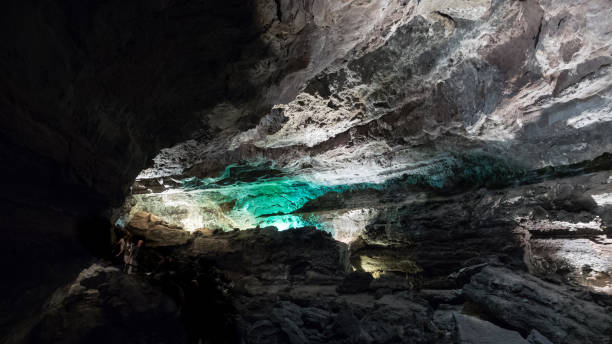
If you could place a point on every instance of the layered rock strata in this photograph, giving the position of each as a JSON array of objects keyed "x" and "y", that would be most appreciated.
[{"x": 296, "y": 286}]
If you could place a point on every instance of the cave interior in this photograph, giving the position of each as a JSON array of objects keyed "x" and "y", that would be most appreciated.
[{"x": 292, "y": 171}]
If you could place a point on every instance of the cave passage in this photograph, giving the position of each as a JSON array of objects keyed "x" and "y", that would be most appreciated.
[
  {"x": 256, "y": 194},
  {"x": 306, "y": 172}
]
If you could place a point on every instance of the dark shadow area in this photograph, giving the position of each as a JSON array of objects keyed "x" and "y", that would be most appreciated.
[
  {"x": 91, "y": 91},
  {"x": 94, "y": 234},
  {"x": 201, "y": 291}
]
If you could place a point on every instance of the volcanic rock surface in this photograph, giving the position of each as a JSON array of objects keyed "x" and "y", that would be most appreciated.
[
  {"x": 297, "y": 286},
  {"x": 442, "y": 170}
]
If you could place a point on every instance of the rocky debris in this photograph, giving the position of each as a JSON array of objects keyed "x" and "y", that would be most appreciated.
[
  {"x": 105, "y": 305},
  {"x": 525, "y": 303},
  {"x": 156, "y": 231},
  {"x": 359, "y": 319},
  {"x": 472, "y": 330},
  {"x": 293, "y": 286}
]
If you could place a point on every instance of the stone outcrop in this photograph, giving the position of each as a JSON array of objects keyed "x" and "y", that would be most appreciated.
[
  {"x": 105, "y": 305},
  {"x": 475, "y": 136},
  {"x": 292, "y": 287},
  {"x": 91, "y": 92},
  {"x": 525, "y": 303},
  {"x": 273, "y": 256},
  {"x": 156, "y": 231},
  {"x": 553, "y": 227},
  {"x": 472, "y": 330},
  {"x": 527, "y": 81},
  {"x": 266, "y": 286}
]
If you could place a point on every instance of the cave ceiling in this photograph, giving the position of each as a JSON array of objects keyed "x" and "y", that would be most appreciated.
[{"x": 452, "y": 96}]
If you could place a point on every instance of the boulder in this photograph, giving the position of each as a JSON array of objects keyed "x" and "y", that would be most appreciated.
[
  {"x": 526, "y": 302},
  {"x": 471, "y": 330},
  {"x": 536, "y": 337},
  {"x": 104, "y": 305},
  {"x": 156, "y": 231},
  {"x": 437, "y": 297}
]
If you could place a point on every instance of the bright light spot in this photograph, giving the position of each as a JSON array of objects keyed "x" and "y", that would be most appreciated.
[
  {"x": 284, "y": 222},
  {"x": 347, "y": 226},
  {"x": 589, "y": 118},
  {"x": 596, "y": 254},
  {"x": 546, "y": 225},
  {"x": 603, "y": 199}
]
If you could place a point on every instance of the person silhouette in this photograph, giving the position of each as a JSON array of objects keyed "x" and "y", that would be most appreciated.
[{"x": 126, "y": 247}]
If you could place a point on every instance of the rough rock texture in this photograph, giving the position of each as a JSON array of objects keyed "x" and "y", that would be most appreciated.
[
  {"x": 92, "y": 91},
  {"x": 99, "y": 88},
  {"x": 278, "y": 256},
  {"x": 104, "y": 305},
  {"x": 155, "y": 231},
  {"x": 288, "y": 288},
  {"x": 536, "y": 337},
  {"x": 475, "y": 331},
  {"x": 553, "y": 227},
  {"x": 266, "y": 286},
  {"x": 478, "y": 121},
  {"x": 525, "y": 303},
  {"x": 460, "y": 95},
  {"x": 527, "y": 80}
]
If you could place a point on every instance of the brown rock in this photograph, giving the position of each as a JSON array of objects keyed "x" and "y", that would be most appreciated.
[{"x": 156, "y": 231}]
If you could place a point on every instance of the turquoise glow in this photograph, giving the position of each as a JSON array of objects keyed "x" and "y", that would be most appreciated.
[
  {"x": 260, "y": 195},
  {"x": 283, "y": 222}
]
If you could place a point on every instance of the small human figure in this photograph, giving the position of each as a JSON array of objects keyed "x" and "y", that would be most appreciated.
[
  {"x": 135, "y": 256},
  {"x": 126, "y": 247}
]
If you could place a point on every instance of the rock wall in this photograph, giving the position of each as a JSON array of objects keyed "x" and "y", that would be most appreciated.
[
  {"x": 361, "y": 92},
  {"x": 92, "y": 91},
  {"x": 266, "y": 286}
]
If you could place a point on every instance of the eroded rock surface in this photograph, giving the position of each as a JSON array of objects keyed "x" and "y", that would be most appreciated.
[
  {"x": 155, "y": 231},
  {"x": 461, "y": 147},
  {"x": 525, "y": 302},
  {"x": 105, "y": 305}
]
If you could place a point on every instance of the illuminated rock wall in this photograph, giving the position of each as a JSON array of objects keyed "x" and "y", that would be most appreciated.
[{"x": 259, "y": 195}]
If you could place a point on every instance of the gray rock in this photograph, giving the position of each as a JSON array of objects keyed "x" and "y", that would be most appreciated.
[
  {"x": 263, "y": 331},
  {"x": 100, "y": 302},
  {"x": 436, "y": 297},
  {"x": 315, "y": 317},
  {"x": 347, "y": 325},
  {"x": 288, "y": 311},
  {"x": 536, "y": 337},
  {"x": 293, "y": 331},
  {"x": 472, "y": 330},
  {"x": 525, "y": 302},
  {"x": 464, "y": 274}
]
